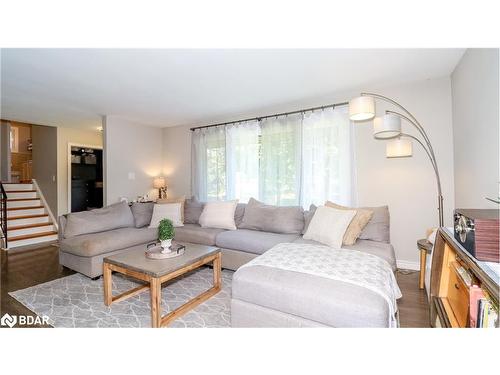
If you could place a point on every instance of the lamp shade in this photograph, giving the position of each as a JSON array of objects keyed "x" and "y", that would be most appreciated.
[
  {"x": 361, "y": 108},
  {"x": 159, "y": 182},
  {"x": 387, "y": 126},
  {"x": 399, "y": 148}
]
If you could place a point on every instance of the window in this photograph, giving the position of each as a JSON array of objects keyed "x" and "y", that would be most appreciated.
[{"x": 289, "y": 160}]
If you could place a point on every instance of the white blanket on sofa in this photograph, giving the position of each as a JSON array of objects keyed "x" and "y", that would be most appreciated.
[{"x": 349, "y": 266}]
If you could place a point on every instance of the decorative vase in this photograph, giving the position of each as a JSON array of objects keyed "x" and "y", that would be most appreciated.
[{"x": 165, "y": 244}]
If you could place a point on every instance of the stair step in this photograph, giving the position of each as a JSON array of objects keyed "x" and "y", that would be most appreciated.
[
  {"x": 22, "y": 194},
  {"x": 30, "y": 229},
  {"x": 27, "y": 217},
  {"x": 46, "y": 239},
  {"x": 22, "y": 199},
  {"x": 24, "y": 211},
  {"x": 22, "y": 208},
  {"x": 23, "y": 202},
  {"x": 20, "y": 230},
  {"x": 17, "y": 227},
  {"x": 30, "y": 236},
  {"x": 21, "y": 191},
  {"x": 10, "y": 186}
]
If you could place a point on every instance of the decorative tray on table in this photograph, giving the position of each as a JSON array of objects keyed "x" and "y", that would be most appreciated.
[{"x": 155, "y": 251}]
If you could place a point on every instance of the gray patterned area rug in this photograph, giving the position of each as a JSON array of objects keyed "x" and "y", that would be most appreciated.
[{"x": 77, "y": 301}]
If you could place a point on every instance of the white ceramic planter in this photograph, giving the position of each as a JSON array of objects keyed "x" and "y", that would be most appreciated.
[{"x": 165, "y": 244}]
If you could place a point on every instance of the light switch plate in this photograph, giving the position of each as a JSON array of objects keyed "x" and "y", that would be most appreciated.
[{"x": 131, "y": 175}]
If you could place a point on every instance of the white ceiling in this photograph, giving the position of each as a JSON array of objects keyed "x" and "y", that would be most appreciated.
[{"x": 167, "y": 87}]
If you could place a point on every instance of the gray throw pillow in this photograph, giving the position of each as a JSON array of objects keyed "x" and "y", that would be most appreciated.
[
  {"x": 192, "y": 211},
  {"x": 308, "y": 215},
  {"x": 143, "y": 212},
  {"x": 239, "y": 213},
  {"x": 378, "y": 228},
  {"x": 276, "y": 219},
  {"x": 116, "y": 216}
]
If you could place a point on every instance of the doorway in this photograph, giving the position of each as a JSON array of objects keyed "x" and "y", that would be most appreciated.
[{"x": 85, "y": 177}]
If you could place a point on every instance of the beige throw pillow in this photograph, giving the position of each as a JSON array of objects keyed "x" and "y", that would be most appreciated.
[
  {"x": 180, "y": 200},
  {"x": 219, "y": 215},
  {"x": 328, "y": 226},
  {"x": 357, "y": 224},
  {"x": 170, "y": 211}
]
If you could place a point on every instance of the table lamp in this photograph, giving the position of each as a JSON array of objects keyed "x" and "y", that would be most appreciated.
[{"x": 160, "y": 184}]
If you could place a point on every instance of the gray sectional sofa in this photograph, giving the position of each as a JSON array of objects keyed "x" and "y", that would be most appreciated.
[{"x": 85, "y": 238}]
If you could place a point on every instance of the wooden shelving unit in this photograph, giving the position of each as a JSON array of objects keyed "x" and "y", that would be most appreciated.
[{"x": 449, "y": 291}]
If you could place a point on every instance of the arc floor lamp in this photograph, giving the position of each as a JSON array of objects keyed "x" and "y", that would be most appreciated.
[{"x": 388, "y": 127}]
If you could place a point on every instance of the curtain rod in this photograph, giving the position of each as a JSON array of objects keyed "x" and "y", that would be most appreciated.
[{"x": 275, "y": 115}]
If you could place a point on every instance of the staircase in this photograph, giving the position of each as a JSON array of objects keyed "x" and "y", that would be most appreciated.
[{"x": 28, "y": 220}]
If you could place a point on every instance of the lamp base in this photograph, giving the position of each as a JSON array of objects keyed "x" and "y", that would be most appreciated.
[{"x": 162, "y": 193}]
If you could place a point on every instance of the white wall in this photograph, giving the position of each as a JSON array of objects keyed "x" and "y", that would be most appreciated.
[
  {"x": 407, "y": 185},
  {"x": 132, "y": 158},
  {"x": 475, "y": 101},
  {"x": 64, "y": 137}
]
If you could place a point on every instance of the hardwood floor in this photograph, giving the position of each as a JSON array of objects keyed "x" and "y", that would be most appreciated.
[
  {"x": 414, "y": 305},
  {"x": 22, "y": 269}
]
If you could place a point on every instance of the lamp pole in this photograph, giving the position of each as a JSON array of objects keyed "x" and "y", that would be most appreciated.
[{"x": 426, "y": 144}]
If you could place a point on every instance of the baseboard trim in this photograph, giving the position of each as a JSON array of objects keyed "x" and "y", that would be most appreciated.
[{"x": 407, "y": 265}]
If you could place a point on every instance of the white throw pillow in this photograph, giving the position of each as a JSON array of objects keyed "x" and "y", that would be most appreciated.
[
  {"x": 219, "y": 215},
  {"x": 170, "y": 211},
  {"x": 328, "y": 226}
]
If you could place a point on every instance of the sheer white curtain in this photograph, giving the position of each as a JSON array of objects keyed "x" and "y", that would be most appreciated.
[
  {"x": 289, "y": 160},
  {"x": 328, "y": 169},
  {"x": 242, "y": 161},
  {"x": 209, "y": 163},
  {"x": 280, "y": 160}
]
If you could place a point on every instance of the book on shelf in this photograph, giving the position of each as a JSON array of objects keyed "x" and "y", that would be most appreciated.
[{"x": 483, "y": 311}]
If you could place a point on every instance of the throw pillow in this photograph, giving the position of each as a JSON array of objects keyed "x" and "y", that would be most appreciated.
[
  {"x": 192, "y": 211},
  {"x": 219, "y": 215},
  {"x": 116, "y": 216},
  {"x": 180, "y": 200},
  {"x": 308, "y": 215},
  {"x": 378, "y": 228},
  {"x": 357, "y": 224},
  {"x": 143, "y": 212},
  {"x": 239, "y": 213},
  {"x": 329, "y": 225},
  {"x": 276, "y": 219},
  {"x": 170, "y": 211}
]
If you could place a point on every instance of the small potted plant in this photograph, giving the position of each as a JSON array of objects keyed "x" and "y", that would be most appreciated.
[{"x": 165, "y": 234}]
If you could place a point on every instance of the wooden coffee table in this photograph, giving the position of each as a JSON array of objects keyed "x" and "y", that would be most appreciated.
[{"x": 155, "y": 272}]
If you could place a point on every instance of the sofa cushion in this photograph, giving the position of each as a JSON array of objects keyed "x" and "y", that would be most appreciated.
[
  {"x": 252, "y": 241},
  {"x": 89, "y": 245},
  {"x": 378, "y": 228},
  {"x": 319, "y": 299},
  {"x": 381, "y": 249},
  {"x": 276, "y": 219},
  {"x": 116, "y": 216},
  {"x": 142, "y": 213},
  {"x": 192, "y": 211},
  {"x": 194, "y": 233}
]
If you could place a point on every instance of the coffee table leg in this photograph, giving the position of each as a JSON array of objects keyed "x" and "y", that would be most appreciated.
[
  {"x": 108, "y": 284},
  {"x": 217, "y": 264},
  {"x": 155, "y": 290}
]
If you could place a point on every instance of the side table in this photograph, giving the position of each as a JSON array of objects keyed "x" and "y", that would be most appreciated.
[{"x": 425, "y": 247}]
